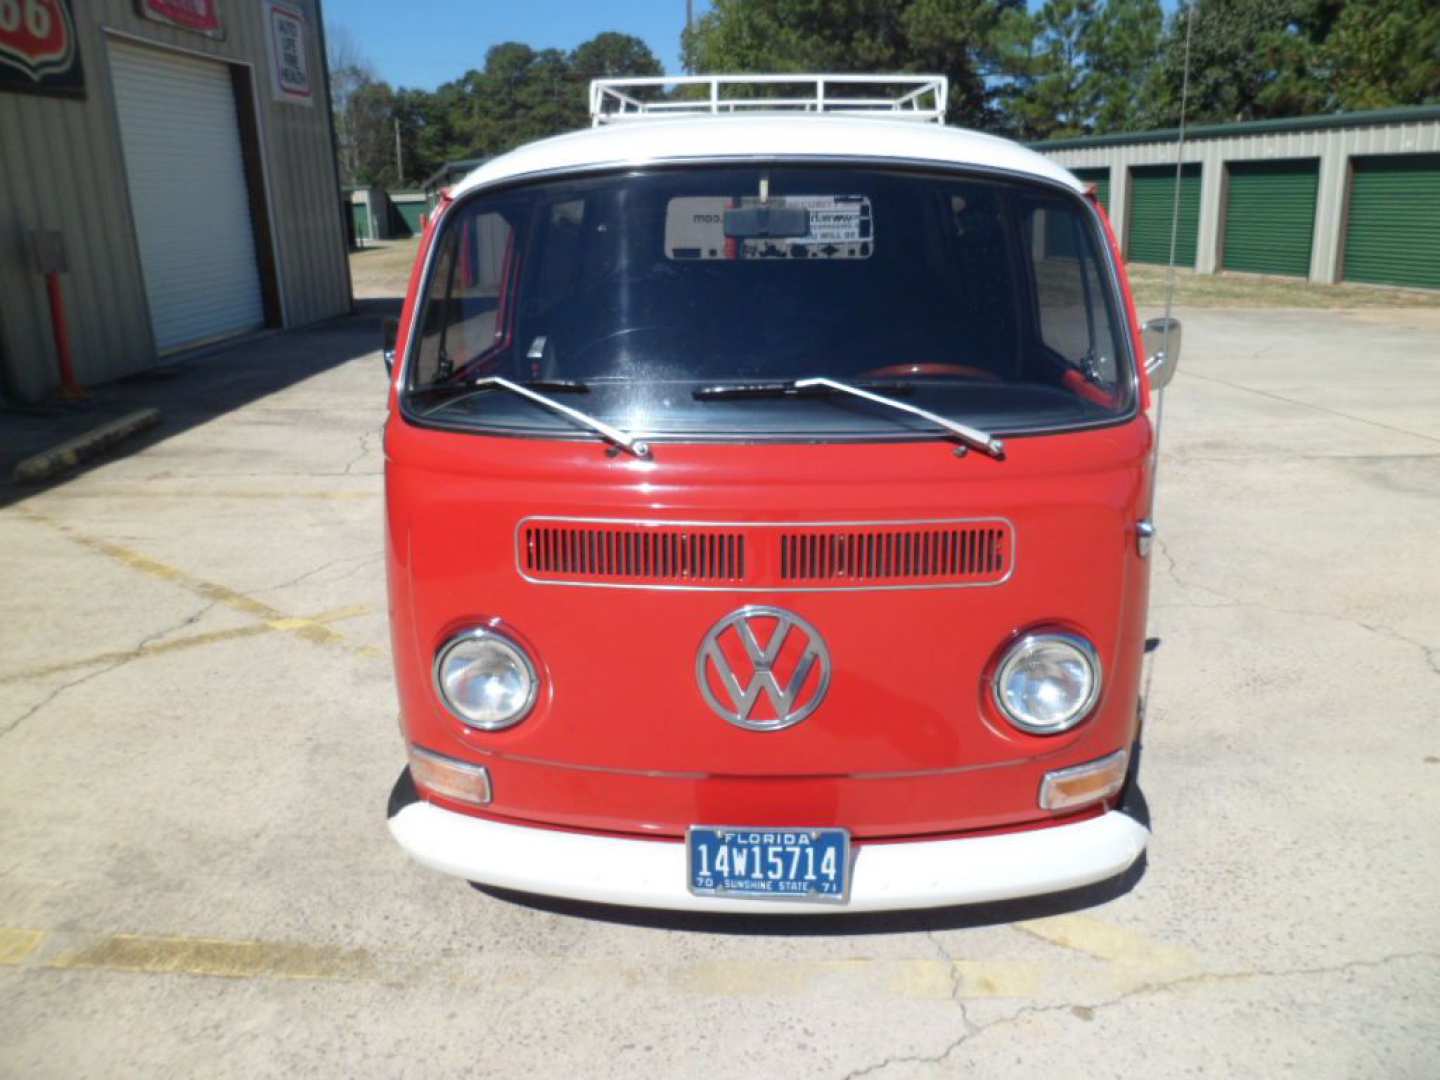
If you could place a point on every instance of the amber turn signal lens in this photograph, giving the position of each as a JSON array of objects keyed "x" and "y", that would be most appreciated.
[
  {"x": 448, "y": 778},
  {"x": 1081, "y": 784}
]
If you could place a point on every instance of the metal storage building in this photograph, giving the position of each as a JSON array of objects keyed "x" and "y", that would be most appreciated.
[
  {"x": 182, "y": 151},
  {"x": 1345, "y": 197}
]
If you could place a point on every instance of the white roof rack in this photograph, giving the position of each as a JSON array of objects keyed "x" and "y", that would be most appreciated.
[{"x": 891, "y": 97}]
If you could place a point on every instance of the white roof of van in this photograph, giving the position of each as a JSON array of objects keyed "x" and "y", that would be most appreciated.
[{"x": 642, "y": 142}]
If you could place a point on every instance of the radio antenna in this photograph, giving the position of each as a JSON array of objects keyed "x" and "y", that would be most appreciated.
[
  {"x": 1169, "y": 298},
  {"x": 1179, "y": 169}
]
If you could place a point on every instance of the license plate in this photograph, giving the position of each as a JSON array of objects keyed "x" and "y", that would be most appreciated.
[{"x": 768, "y": 863}]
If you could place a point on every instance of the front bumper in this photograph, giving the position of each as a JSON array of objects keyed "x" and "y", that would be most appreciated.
[{"x": 885, "y": 877}]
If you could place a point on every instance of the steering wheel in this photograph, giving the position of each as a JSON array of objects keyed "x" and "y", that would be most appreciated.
[{"x": 964, "y": 370}]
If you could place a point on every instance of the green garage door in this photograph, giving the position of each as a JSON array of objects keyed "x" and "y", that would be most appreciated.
[
  {"x": 1152, "y": 201},
  {"x": 411, "y": 212},
  {"x": 1392, "y": 236},
  {"x": 361, "y": 213},
  {"x": 1270, "y": 216},
  {"x": 1101, "y": 179}
]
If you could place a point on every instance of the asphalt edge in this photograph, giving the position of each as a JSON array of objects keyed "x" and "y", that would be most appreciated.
[{"x": 60, "y": 459}]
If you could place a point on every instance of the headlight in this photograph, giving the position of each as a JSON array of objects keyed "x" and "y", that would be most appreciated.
[
  {"x": 485, "y": 679},
  {"x": 1047, "y": 683}
]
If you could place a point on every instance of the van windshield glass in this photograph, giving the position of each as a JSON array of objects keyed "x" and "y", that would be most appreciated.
[{"x": 641, "y": 295}]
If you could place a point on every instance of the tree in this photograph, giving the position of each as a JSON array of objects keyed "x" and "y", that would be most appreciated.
[
  {"x": 1240, "y": 50},
  {"x": 956, "y": 38},
  {"x": 1052, "y": 93},
  {"x": 370, "y": 121},
  {"x": 1363, "y": 54},
  {"x": 609, "y": 54},
  {"x": 1122, "y": 45},
  {"x": 350, "y": 70},
  {"x": 523, "y": 94}
]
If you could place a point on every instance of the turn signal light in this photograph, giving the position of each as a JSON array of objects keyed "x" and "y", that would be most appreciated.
[
  {"x": 449, "y": 778},
  {"x": 1081, "y": 784}
]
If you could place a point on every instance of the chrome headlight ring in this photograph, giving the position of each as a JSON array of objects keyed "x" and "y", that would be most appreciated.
[
  {"x": 1047, "y": 682},
  {"x": 485, "y": 679}
]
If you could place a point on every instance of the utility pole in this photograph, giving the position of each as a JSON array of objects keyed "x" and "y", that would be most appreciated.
[
  {"x": 689, "y": 25},
  {"x": 399, "y": 163}
]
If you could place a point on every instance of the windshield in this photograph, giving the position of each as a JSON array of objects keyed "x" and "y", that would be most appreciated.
[{"x": 682, "y": 301}]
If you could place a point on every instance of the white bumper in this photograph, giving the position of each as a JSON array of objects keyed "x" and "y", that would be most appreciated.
[{"x": 885, "y": 877}]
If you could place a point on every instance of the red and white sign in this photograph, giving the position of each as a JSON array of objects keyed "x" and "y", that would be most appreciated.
[
  {"x": 201, "y": 16},
  {"x": 38, "y": 51},
  {"x": 289, "y": 58}
]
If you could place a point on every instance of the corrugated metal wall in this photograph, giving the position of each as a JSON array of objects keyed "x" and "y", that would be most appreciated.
[
  {"x": 1333, "y": 146},
  {"x": 61, "y": 168}
]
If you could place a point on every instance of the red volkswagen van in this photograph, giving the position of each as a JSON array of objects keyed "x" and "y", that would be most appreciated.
[{"x": 768, "y": 483}]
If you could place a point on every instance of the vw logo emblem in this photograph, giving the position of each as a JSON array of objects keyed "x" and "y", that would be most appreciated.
[{"x": 764, "y": 652}]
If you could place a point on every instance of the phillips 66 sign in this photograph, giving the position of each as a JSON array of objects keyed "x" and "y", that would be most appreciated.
[{"x": 38, "y": 50}]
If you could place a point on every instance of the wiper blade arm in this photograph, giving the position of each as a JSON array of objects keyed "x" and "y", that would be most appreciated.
[
  {"x": 781, "y": 388},
  {"x": 981, "y": 440},
  {"x": 622, "y": 439}
]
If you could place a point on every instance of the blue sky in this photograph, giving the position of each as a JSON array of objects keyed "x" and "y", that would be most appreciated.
[{"x": 423, "y": 43}]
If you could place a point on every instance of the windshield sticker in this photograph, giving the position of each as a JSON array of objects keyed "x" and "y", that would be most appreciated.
[{"x": 783, "y": 227}]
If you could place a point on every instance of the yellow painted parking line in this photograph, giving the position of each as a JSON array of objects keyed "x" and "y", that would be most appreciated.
[
  {"x": 17, "y": 944},
  {"x": 998, "y": 978},
  {"x": 211, "y": 493},
  {"x": 217, "y": 958},
  {"x": 1107, "y": 942},
  {"x": 307, "y": 629},
  {"x": 194, "y": 641}
]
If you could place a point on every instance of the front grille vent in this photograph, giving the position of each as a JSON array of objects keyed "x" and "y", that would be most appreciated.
[
  {"x": 640, "y": 554},
  {"x": 977, "y": 553}
]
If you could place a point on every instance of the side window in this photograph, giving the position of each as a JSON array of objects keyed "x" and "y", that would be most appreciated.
[
  {"x": 465, "y": 317},
  {"x": 1072, "y": 317}
]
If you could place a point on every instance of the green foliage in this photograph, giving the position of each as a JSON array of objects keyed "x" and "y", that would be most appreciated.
[
  {"x": 1256, "y": 59},
  {"x": 521, "y": 94},
  {"x": 1377, "y": 54},
  {"x": 1069, "y": 67},
  {"x": 956, "y": 38}
]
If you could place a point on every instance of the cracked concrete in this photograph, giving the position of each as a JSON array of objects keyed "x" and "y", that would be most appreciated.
[
  {"x": 1087, "y": 1012},
  {"x": 195, "y": 779}
]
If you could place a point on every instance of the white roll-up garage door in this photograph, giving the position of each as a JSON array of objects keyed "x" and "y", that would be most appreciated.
[{"x": 186, "y": 174}]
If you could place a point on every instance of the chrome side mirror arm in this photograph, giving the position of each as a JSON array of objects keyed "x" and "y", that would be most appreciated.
[
  {"x": 1162, "y": 338},
  {"x": 389, "y": 334}
]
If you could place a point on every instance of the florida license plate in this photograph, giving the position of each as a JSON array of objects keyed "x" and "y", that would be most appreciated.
[{"x": 769, "y": 863}]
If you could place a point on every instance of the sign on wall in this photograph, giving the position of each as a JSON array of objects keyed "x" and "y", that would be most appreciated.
[
  {"x": 201, "y": 16},
  {"x": 38, "y": 50},
  {"x": 286, "y": 31}
]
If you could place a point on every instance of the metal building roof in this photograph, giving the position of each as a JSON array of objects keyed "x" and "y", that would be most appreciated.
[{"x": 1410, "y": 114}]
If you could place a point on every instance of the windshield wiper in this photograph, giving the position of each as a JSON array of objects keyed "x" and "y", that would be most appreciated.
[
  {"x": 968, "y": 436},
  {"x": 768, "y": 388},
  {"x": 622, "y": 439},
  {"x": 981, "y": 440}
]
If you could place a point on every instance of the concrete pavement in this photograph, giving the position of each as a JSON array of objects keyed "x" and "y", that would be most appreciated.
[{"x": 197, "y": 736}]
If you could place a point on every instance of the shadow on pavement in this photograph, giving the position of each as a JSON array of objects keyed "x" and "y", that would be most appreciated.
[{"x": 191, "y": 391}]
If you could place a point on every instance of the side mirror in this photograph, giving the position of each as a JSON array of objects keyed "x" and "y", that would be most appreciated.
[
  {"x": 389, "y": 334},
  {"x": 1162, "y": 350}
]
